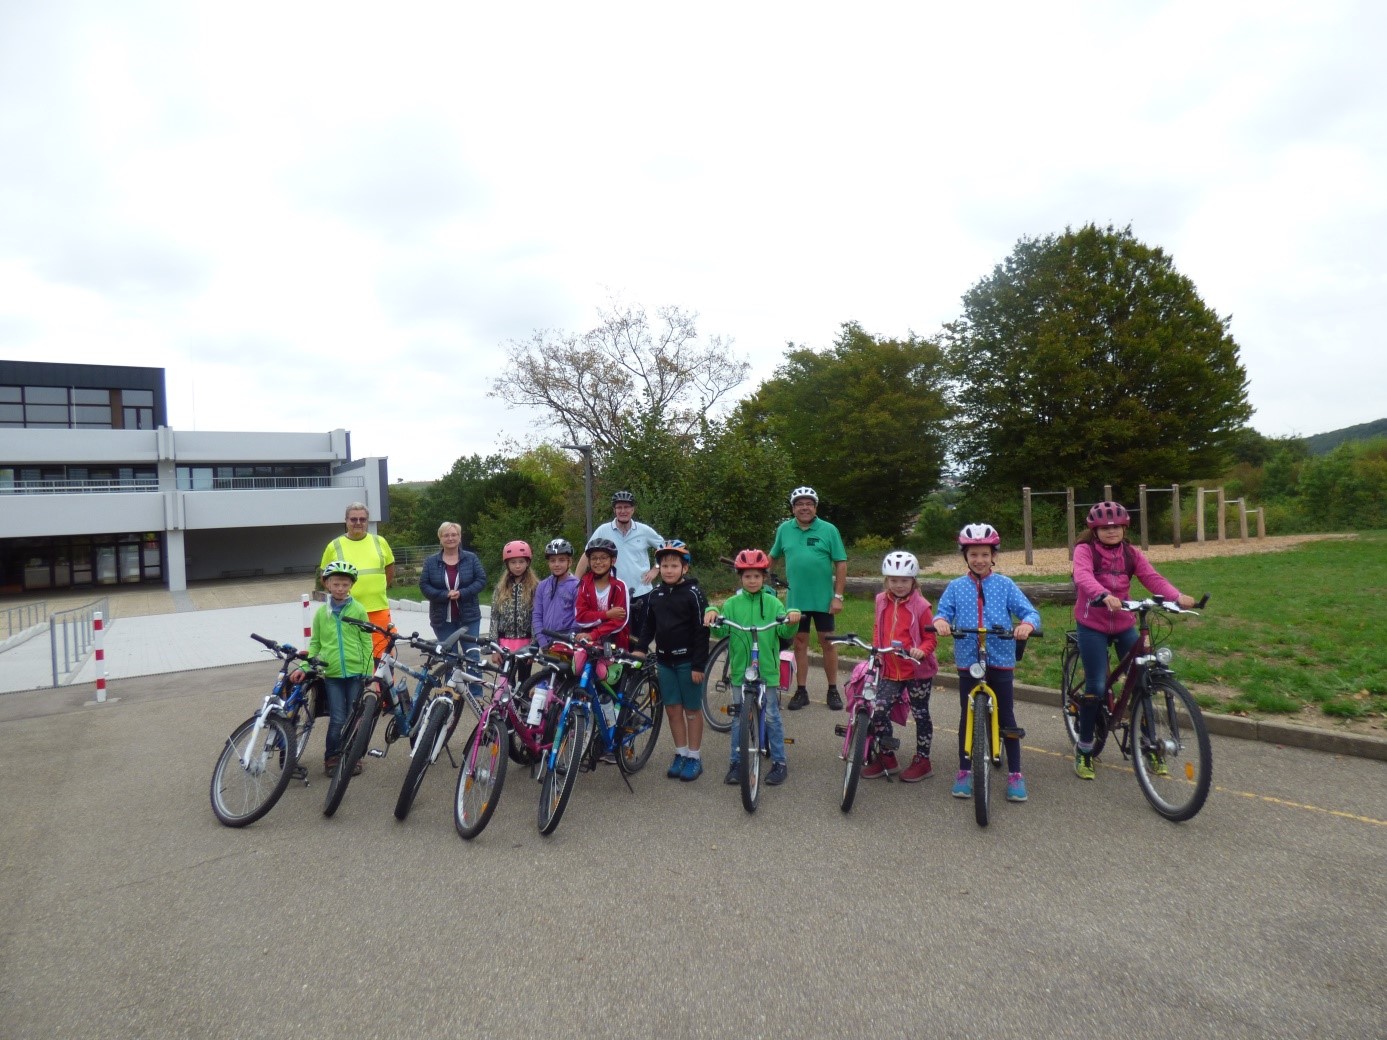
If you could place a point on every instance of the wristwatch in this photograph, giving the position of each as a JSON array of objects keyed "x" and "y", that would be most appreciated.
[{"x": 837, "y": 595}]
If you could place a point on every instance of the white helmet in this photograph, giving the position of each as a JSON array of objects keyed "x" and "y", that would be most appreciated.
[
  {"x": 803, "y": 492},
  {"x": 900, "y": 564}
]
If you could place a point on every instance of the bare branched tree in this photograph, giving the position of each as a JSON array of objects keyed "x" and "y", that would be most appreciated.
[{"x": 594, "y": 384}]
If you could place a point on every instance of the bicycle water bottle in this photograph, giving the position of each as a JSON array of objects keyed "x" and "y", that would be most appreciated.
[
  {"x": 537, "y": 703},
  {"x": 609, "y": 712},
  {"x": 401, "y": 692}
]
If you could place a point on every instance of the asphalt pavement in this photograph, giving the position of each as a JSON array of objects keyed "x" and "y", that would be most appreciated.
[{"x": 666, "y": 910}]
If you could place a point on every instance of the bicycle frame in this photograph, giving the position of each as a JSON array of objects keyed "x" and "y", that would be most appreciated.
[{"x": 277, "y": 704}]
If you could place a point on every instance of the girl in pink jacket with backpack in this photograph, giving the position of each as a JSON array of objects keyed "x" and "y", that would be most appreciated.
[
  {"x": 1104, "y": 565},
  {"x": 903, "y": 616}
]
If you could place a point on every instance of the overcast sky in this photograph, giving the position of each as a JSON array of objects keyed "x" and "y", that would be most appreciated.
[{"x": 317, "y": 215}]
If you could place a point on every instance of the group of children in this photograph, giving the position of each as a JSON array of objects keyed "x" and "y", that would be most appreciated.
[{"x": 680, "y": 621}]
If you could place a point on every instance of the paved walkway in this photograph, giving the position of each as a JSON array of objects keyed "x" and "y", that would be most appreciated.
[{"x": 152, "y": 631}]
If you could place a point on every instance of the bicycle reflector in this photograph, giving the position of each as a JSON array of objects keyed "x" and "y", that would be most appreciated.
[
  {"x": 977, "y": 670},
  {"x": 752, "y": 673}
]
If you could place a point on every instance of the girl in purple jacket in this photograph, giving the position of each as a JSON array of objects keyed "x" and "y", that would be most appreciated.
[
  {"x": 553, "y": 605},
  {"x": 1104, "y": 564}
]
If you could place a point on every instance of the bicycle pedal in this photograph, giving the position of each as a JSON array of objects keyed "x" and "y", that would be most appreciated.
[
  {"x": 840, "y": 730},
  {"x": 1013, "y": 732},
  {"x": 889, "y": 744},
  {"x": 301, "y": 773},
  {"x": 377, "y": 752},
  {"x": 788, "y": 740}
]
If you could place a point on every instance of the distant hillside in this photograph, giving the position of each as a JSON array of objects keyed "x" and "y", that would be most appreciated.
[{"x": 1324, "y": 443}]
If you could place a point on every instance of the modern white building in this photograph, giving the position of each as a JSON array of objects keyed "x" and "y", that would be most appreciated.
[{"x": 96, "y": 489}]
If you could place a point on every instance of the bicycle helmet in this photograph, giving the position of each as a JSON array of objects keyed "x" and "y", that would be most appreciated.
[
  {"x": 978, "y": 534},
  {"x": 623, "y": 496},
  {"x": 900, "y": 565},
  {"x": 803, "y": 492},
  {"x": 516, "y": 550},
  {"x": 675, "y": 546},
  {"x": 340, "y": 567},
  {"x": 1107, "y": 514},
  {"x": 559, "y": 547},
  {"x": 605, "y": 545},
  {"x": 751, "y": 560}
]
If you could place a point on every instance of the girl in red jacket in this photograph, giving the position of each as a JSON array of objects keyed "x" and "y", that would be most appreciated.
[
  {"x": 600, "y": 609},
  {"x": 903, "y": 616},
  {"x": 1103, "y": 568}
]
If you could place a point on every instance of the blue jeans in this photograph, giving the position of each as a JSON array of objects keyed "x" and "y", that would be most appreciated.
[
  {"x": 775, "y": 729},
  {"x": 444, "y": 629},
  {"x": 1093, "y": 651},
  {"x": 341, "y": 694}
]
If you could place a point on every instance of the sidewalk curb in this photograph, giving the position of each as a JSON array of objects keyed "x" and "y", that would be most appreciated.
[{"x": 1267, "y": 731}]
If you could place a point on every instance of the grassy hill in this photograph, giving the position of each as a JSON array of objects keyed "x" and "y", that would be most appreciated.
[{"x": 1324, "y": 443}]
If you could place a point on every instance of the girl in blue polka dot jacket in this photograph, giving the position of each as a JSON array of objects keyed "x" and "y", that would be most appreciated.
[{"x": 982, "y": 599}]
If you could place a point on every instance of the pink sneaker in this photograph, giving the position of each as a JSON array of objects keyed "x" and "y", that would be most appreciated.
[{"x": 918, "y": 769}]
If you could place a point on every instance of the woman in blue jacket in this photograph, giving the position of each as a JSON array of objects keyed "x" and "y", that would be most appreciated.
[{"x": 450, "y": 581}]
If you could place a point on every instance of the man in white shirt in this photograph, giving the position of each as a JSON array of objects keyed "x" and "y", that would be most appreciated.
[{"x": 634, "y": 542}]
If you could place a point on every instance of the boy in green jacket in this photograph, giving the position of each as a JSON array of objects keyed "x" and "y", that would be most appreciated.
[
  {"x": 756, "y": 606},
  {"x": 346, "y": 649}
]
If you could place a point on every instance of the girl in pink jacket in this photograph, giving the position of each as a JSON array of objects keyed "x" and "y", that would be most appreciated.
[
  {"x": 903, "y": 616},
  {"x": 1104, "y": 564}
]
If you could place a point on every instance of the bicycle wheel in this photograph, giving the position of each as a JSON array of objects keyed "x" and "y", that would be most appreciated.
[
  {"x": 480, "y": 778},
  {"x": 749, "y": 764},
  {"x": 982, "y": 756},
  {"x": 718, "y": 689},
  {"x": 558, "y": 781},
  {"x": 857, "y": 754},
  {"x": 1171, "y": 754},
  {"x": 638, "y": 723},
  {"x": 1071, "y": 687},
  {"x": 356, "y": 737},
  {"x": 426, "y": 746},
  {"x": 241, "y": 794}
]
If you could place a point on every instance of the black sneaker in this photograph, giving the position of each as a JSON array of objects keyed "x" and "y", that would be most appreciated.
[
  {"x": 835, "y": 702},
  {"x": 733, "y": 777},
  {"x": 779, "y": 771},
  {"x": 799, "y": 700}
]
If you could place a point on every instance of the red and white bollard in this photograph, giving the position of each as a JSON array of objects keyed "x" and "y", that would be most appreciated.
[
  {"x": 99, "y": 632},
  {"x": 307, "y": 618}
]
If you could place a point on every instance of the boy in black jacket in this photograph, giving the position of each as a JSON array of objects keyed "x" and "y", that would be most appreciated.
[{"x": 674, "y": 617}]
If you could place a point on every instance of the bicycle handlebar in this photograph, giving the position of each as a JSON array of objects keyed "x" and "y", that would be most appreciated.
[
  {"x": 851, "y": 639},
  {"x": 291, "y": 653},
  {"x": 1170, "y": 606},
  {"x": 392, "y": 633},
  {"x": 753, "y": 629}
]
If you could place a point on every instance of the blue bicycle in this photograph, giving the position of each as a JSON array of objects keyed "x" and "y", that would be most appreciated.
[{"x": 262, "y": 754}]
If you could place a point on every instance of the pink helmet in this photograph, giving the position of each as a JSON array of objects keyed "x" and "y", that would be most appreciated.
[
  {"x": 1108, "y": 514},
  {"x": 978, "y": 534},
  {"x": 752, "y": 560},
  {"x": 516, "y": 551}
]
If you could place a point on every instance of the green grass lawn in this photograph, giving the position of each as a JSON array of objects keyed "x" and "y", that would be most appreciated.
[{"x": 1283, "y": 631}]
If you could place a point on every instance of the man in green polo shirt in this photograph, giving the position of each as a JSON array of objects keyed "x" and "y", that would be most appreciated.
[
  {"x": 371, "y": 556},
  {"x": 816, "y": 567}
]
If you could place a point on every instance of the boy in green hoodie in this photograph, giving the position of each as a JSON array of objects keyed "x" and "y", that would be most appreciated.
[{"x": 346, "y": 649}]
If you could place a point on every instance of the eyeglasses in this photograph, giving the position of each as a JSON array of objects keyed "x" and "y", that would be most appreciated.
[{"x": 356, "y": 520}]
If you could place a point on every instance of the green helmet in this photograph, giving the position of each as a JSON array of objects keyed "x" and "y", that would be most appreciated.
[{"x": 339, "y": 567}]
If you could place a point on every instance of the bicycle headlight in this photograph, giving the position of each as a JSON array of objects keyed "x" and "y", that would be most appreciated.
[
  {"x": 752, "y": 673},
  {"x": 1165, "y": 655},
  {"x": 869, "y": 693},
  {"x": 977, "y": 670}
]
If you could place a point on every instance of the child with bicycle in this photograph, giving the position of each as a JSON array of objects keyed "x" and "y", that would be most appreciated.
[
  {"x": 1104, "y": 565},
  {"x": 347, "y": 651},
  {"x": 903, "y": 617},
  {"x": 754, "y": 605},
  {"x": 512, "y": 604},
  {"x": 555, "y": 595},
  {"x": 674, "y": 619},
  {"x": 984, "y": 599},
  {"x": 599, "y": 611}
]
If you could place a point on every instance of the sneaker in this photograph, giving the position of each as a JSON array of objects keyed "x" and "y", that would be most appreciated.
[
  {"x": 779, "y": 771},
  {"x": 799, "y": 700},
  {"x": 918, "y": 769},
  {"x": 734, "y": 775},
  {"x": 835, "y": 702},
  {"x": 963, "y": 784},
  {"x": 692, "y": 769},
  {"x": 1083, "y": 765},
  {"x": 358, "y": 768},
  {"x": 1016, "y": 787},
  {"x": 1156, "y": 765},
  {"x": 875, "y": 768},
  {"x": 330, "y": 764},
  {"x": 676, "y": 768}
]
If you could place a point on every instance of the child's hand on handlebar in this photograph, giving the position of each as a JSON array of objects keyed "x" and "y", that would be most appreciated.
[
  {"x": 710, "y": 617},
  {"x": 793, "y": 617},
  {"x": 1023, "y": 632},
  {"x": 296, "y": 675},
  {"x": 1185, "y": 602},
  {"x": 942, "y": 627}
]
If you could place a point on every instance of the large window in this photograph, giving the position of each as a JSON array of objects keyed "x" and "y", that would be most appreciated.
[
  {"x": 81, "y": 408},
  {"x": 247, "y": 476}
]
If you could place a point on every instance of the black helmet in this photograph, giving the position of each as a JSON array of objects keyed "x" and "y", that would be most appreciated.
[
  {"x": 558, "y": 547},
  {"x": 623, "y": 496},
  {"x": 605, "y": 545}
]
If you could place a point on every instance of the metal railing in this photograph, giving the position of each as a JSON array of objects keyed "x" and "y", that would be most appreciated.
[
  {"x": 21, "y": 618},
  {"x": 76, "y": 630},
  {"x": 266, "y": 483},
  {"x": 78, "y": 487}
]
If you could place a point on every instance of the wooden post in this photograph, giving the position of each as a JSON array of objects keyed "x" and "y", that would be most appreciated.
[
  {"x": 1242, "y": 519},
  {"x": 1175, "y": 515},
  {"x": 1069, "y": 517},
  {"x": 1261, "y": 522},
  {"x": 1199, "y": 514},
  {"x": 1026, "y": 524},
  {"x": 1141, "y": 505},
  {"x": 1222, "y": 516}
]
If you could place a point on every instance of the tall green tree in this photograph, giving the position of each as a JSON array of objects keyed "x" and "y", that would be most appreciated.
[
  {"x": 862, "y": 422},
  {"x": 1087, "y": 358}
]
